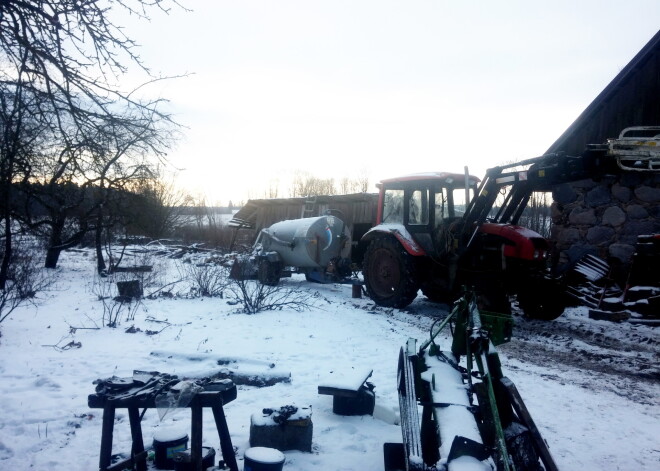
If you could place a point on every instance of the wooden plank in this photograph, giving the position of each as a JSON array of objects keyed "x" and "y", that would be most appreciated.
[
  {"x": 338, "y": 391},
  {"x": 346, "y": 384},
  {"x": 98, "y": 401}
]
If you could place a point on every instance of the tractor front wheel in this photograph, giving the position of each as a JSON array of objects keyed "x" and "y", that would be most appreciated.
[{"x": 390, "y": 275}]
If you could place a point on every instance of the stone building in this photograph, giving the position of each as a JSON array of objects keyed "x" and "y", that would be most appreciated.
[{"x": 605, "y": 217}]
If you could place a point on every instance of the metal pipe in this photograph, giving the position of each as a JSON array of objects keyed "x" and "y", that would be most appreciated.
[{"x": 467, "y": 187}]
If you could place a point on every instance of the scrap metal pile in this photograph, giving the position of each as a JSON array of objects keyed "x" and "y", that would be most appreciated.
[{"x": 637, "y": 300}]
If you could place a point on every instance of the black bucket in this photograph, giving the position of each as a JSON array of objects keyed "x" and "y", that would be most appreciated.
[
  {"x": 183, "y": 459},
  {"x": 259, "y": 458},
  {"x": 166, "y": 446}
]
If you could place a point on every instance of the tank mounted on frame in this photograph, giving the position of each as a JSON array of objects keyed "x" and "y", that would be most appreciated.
[{"x": 319, "y": 247}]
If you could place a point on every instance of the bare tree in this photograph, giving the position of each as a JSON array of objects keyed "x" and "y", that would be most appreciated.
[
  {"x": 537, "y": 213},
  {"x": 305, "y": 184},
  {"x": 273, "y": 189},
  {"x": 157, "y": 208},
  {"x": 62, "y": 63},
  {"x": 348, "y": 185}
]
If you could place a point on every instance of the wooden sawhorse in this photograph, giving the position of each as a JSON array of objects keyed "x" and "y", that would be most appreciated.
[{"x": 213, "y": 399}]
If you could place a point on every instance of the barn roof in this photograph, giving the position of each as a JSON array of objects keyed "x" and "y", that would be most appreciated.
[{"x": 632, "y": 98}]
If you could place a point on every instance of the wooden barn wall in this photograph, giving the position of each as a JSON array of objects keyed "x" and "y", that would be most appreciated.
[
  {"x": 635, "y": 102},
  {"x": 268, "y": 215},
  {"x": 359, "y": 212},
  {"x": 353, "y": 213}
]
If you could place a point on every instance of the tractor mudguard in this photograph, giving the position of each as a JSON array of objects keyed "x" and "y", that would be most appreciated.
[
  {"x": 400, "y": 233},
  {"x": 524, "y": 243}
]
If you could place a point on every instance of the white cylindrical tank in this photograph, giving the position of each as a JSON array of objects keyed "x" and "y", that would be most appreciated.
[{"x": 307, "y": 242}]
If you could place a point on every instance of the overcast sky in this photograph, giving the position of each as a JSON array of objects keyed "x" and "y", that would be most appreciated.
[{"x": 379, "y": 87}]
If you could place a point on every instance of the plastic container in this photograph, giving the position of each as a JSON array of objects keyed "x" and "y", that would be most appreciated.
[
  {"x": 260, "y": 458},
  {"x": 166, "y": 445}
]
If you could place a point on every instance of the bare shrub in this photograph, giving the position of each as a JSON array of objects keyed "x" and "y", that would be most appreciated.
[
  {"x": 140, "y": 264},
  {"x": 256, "y": 297},
  {"x": 114, "y": 306},
  {"x": 206, "y": 279},
  {"x": 26, "y": 277}
]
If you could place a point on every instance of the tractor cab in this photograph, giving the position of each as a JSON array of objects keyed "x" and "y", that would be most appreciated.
[{"x": 424, "y": 210}]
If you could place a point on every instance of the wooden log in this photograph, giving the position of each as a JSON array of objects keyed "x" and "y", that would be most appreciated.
[
  {"x": 601, "y": 315},
  {"x": 136, "y": 269},
  {"x": 293, "y": 433}
]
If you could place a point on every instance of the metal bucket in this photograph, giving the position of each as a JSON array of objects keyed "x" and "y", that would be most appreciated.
[
  {"x": 260, "y": 458},
  {"x": 166, "y": 446}
]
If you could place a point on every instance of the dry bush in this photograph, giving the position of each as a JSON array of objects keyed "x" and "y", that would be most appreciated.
[
  {"x": 113, "y": 305},
  {"x": 206, "y": 279},
  {"x": 256, "y": 297},
  {"x": 26, "y": 278}
]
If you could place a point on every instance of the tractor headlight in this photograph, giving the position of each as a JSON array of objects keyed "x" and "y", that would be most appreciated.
[{"x": 540, "y": 254}]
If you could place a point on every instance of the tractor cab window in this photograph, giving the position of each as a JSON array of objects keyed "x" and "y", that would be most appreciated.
[
  {"x": 450, "y": 202},
  {"x": 458, "y": 196},
  {"x": 441, "y": 209},
  {"x": 393, "y": 207},
  {"x": 418, "y": 207}
]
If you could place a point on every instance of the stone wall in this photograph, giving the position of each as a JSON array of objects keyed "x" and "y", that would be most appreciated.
[{"x": 604, "y": 218}]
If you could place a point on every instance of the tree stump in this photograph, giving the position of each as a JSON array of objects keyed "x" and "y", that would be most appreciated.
[
  {"x": 129, "y": 290},
  {"x": 287, "y": 428}
]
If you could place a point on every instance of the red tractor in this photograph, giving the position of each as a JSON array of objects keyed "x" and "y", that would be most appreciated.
[{"x": 440, "y": 231}]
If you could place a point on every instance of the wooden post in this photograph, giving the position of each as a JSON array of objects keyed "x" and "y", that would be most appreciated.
[
  {"x": 225, "y": 439},
  {"x": 106, "y": 436},
  {"x": 136, "y": 435},
  {"x": 196, "y": 435}
]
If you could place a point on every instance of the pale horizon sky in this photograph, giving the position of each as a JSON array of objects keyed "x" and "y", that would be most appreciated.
[{"x": 384, "y": 88}]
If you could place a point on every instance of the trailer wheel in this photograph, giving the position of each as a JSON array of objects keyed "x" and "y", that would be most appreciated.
[
  {"x": 269, "y": 273},
  {"x": 389, "y": 274}
]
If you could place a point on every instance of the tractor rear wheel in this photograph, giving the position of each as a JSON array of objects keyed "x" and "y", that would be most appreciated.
[{"x": 390, "y": 275}]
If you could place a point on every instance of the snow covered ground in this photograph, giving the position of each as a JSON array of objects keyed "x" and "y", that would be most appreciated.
[{"x": 594, "y": 417}]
